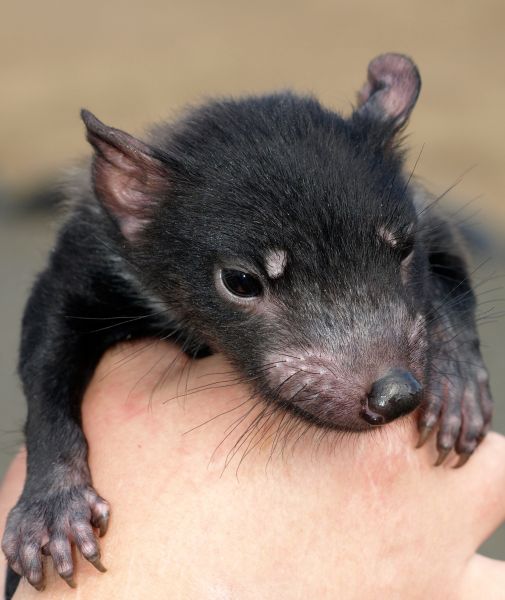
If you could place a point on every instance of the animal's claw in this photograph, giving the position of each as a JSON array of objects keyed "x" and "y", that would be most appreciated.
[
  {"x": 424, "y": 434},
  {"x": 97, "y": 563},
  {"x": 460, "y": 404},
  {"x": 463, "y": 459},
  {"x": 48, "y": 525},
  {"x": 442, "y": 455},
  {"x": 69, "y": 579}
]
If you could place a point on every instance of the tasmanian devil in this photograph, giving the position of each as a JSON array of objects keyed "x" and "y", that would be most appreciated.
[{"x": 277, "y": 232}]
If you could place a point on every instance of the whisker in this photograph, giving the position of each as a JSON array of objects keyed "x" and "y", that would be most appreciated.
[
  {"x": 130, "y": 356},
  {"x": 226, "y": 412}
]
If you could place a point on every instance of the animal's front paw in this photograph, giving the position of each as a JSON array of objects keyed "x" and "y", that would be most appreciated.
[
  {"x": 50, "y": 525},
  {"x": 459, "y": 402}
]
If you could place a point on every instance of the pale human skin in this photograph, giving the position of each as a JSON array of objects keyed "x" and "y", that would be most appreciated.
[{"x": 360, "y": 517}]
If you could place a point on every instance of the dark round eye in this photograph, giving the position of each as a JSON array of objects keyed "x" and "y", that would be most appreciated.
[{"x": 241, "y": 284}]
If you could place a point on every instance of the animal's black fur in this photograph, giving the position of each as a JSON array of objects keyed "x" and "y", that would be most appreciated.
[{"x": 372, "y": 277}]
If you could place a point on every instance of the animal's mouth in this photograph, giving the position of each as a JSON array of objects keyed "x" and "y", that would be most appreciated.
[
  {"x": 313, "y": 388},
  {"x": 362, "y": 421},
  {"x": 375, "y": 419},
  {"x": 395, "y": 395},
  {"x": 371, "y": 417}
]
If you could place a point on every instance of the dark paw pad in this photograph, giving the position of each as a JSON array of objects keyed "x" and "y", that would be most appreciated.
[{"x": 50, "y": 526}]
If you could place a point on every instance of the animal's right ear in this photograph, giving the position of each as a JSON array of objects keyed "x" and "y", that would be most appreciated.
[
  {"x": 391, "y": 90},
  {"x": 127, "y": 177}
]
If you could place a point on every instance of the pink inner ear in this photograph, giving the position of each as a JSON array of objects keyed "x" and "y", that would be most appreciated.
[
  {"x": 392, "y": 88},
  {"x": 127, "y": 196},
  {"x": 127, "y": 190},
  {"x": 128, "y": 179},
  {"x": 128, "y": 183}
]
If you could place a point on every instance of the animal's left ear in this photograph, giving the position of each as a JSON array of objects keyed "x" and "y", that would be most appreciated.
[
  {"x": 391, "y": 91},
  {"x": 128, "y": 178}
]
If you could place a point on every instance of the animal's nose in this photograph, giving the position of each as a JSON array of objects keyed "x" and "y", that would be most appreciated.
[{"x": 394, "y": 395}]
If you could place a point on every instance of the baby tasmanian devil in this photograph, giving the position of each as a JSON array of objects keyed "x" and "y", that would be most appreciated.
[{"x": 277, "y": 232}]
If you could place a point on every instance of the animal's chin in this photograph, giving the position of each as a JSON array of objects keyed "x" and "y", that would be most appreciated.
[{"x": 338, "y": 422}]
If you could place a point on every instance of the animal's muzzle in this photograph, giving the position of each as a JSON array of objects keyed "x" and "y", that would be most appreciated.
[{"x": 394, "y": 395}]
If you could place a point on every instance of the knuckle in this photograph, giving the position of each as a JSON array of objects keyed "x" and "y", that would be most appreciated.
[
  {"x": 29, "y": 552},
  {"x": 34, "y": 577},
  {"x": 88, "y": 548},
  {"x": 82, "y": 529},
  {"x": 78, "y": 514},
  {"x": 450, "y": 426},
  {"x": 467, "y": 447},
  {"x": 90, "y": 551},
  {"x": 474, "y": 428},
  {"x": 60, "y": 549},
  {"x": 428, "y": 417},
  {"x": 445, "y": 443},
  {"x": 429, "y": 414},
  {"x": 90, "y": 496},
  {"x": 103, "y": 509},
  {"x": 427, "y": 422}
]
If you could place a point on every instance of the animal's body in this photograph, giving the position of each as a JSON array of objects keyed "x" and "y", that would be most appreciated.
[{"x": 277, "y": 232}]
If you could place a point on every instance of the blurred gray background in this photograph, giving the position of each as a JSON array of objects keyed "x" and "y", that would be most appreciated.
[{"x": 133, "y": 66}]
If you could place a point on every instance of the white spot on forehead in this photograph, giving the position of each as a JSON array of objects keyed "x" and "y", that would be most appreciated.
[
  {"x": 388, "y": 236},
  {"x": 392, "y": 238},
  {"x": 275, "y": 263}
]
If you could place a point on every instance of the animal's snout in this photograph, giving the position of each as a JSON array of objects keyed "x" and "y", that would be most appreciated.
[{"x": 394, "y": 395}]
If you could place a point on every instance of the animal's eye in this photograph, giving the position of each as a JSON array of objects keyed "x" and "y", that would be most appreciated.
[{"x": 241, "y": 284}]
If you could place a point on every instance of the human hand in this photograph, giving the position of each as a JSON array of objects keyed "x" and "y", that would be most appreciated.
[{"x": 286, "y": 516}]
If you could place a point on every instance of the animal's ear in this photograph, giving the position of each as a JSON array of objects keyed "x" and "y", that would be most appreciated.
[
  {"x": 127, "y": 177},
  {"x": 391, "y": 91}
]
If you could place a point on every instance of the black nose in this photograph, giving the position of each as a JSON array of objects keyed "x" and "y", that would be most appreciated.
[{"x": 394, "y": 395}]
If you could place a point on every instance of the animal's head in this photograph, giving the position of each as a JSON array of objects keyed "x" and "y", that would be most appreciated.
[{"x": 286, "y": 234}]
